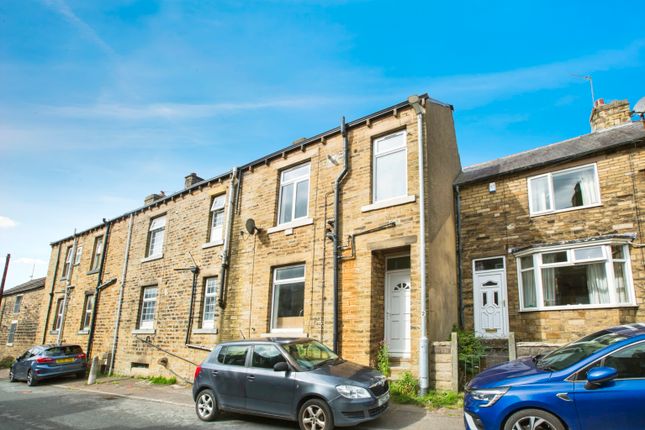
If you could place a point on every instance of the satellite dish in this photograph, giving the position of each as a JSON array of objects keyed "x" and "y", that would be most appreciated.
[
  {"x": 250, "y": 226},
  {"x": 639, "y": 108}
]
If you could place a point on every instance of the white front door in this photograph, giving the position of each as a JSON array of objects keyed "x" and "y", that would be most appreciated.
[
  {"x": 490, "y": 306},
  {"x": 397, "y": 312}
]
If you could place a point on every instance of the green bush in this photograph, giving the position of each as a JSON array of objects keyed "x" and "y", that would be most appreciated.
[
  {"x": 406, "y": 391},
  {"x": 6, "y": 362},
  {"x": 162, "y": 380},
  {"x": 383, "y": 359}
]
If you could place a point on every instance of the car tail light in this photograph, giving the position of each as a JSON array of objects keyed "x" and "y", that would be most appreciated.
[
  {"x": 197, "y": 372},
  {"x": 81, "y": 356},
  {"x": 44, "y": 360}
]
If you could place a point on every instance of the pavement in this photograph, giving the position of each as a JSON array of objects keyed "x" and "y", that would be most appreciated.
[{"x": 131, "y": 391}]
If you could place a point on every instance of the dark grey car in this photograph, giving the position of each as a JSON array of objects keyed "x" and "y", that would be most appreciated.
[{"x": 294, "y": 379}]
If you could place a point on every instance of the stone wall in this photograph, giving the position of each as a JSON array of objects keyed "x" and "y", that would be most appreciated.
[
  {"x": 27, "y": 322},
  {"x": 495, "y": 223},
  {"x": 441, "y": 372}
]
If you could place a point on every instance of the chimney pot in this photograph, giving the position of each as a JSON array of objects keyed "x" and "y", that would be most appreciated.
[{"x": 191, "y": 180}]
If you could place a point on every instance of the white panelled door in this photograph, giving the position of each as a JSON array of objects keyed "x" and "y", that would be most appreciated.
[
  {"x": 397, "y": 312},
  {"x": 491, "y": 314}
]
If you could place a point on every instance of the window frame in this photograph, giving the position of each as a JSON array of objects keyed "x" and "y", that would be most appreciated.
[
  {"x": 214, "y": 211},
  {"x": 67, "y": 264},
  {"x": 549, "y": 176},
  {"x": 274, "y": 283},
  {"x": 11, "y": 334},
  {"x": 58, "y": 314},
  {"x": 17, "y": 304},
  {"x": 210, "y": 323},
  {"x": 148, "y": 324},
  {"x": 79, "y": 253},
  {"x": 376, "y": 155},
  {"x": 570, "y": 249},
  {"x": 152, "y": 233},
  {"x": 87, "y": 303},
  {"x": 97, "y": 251},
  {"x": 295, "y": 182}
]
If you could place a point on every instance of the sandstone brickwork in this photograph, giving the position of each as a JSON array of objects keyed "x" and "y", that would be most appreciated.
[{"x": 26, "y": 319}]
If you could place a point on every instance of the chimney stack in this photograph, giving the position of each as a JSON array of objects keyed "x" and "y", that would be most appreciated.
[
  {"x": 605, "y": 116},
  {"x": 191, "y": 180},
  {"x": 153, "y": 198}
]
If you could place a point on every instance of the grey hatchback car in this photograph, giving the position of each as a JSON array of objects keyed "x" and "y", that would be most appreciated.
[{"x": 294, "y": 379}]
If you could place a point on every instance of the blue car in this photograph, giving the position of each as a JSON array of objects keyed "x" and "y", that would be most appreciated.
[
  {"x": 597, "y": 382},
  {"x": 48, "y": 361}
]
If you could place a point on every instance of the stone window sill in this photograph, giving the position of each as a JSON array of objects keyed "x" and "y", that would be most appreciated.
[
  {"x": 83, "y": 332},
  {"x": 287, "y": 227},
  {"x": 396, "y": 201},
  {"x": 10, "y": 344},
  {"x": 93, "y": 272},
  {"x": 212, "y": 244},
  {"x": 557, "y": 211},
  {"x": 578, "y": 307},
  {"x": 205, "y": 331},
  {"x": 294, "y": 333},
  {"x": 144, "y": 331},
  {"x": 152, "y": 258}
]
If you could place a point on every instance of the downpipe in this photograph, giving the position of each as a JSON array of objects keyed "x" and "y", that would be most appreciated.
[
  {"x": 423, "y": 340},
  {"x": 99, "y": 286},
  {"x": 68, "y": 286}
]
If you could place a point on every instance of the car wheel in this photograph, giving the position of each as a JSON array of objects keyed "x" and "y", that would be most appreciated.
[
  {"x": 533, "y": 419},
  {"x": 314, "y": 414},
  {"x": 206, "y": 406},
  {"x": 31, "y": 379},
  {"x": 12, "y": 377}
]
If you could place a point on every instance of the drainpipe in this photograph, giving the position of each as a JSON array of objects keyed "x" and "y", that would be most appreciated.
[
  {"x": 459, "y": 252},
  {"x": 51, "y": 295},
  {"x": 226, "y": 251},
  {"x": 189, "y": 328},
  {"x": 68, "y": 286},
  {"x": 99, "y": 281},
  {"x": 423, "y": 341},
  {"x": 337, "y": 185},
  {"x": 124, "y": 271}
]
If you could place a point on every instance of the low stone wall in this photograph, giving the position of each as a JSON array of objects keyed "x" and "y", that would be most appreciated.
[
  {"x": 534, "y": 348},
  {"x": 440, "y": 375}
]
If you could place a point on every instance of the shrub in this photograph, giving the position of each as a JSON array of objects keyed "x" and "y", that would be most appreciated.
[
  {"x": 6, "y": 362},
  {"x": 406, "y": 391},
  {"x": 162, "y": 380},
  {"x": 383, "y": 359}
]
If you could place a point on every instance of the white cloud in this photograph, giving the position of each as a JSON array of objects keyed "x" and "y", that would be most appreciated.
[
  {"x": 30, "y": 261},
  {"x": 6, "y": 222}
]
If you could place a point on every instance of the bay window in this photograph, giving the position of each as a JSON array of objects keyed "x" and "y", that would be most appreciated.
[
  {"x": 584, "y": 277},
  {"x": 567, "y": 189}
]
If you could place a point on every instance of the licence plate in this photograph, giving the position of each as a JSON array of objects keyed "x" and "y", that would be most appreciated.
[
  {"x": 383, "y": 399},
  {"x": 64, "y": 360}
]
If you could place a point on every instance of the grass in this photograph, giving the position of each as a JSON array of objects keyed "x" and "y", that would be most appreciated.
[
  {"x": 406, "y": 391},
  {"x": 6, "y": 362},
  {"x": 162, "y": 380}
]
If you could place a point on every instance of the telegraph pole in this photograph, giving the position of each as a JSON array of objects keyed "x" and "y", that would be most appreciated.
[{"x": 4, "y": 276}]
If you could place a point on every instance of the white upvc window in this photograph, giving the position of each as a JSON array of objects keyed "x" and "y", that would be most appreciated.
[
  {"x": 288, "y": 298},
  {"x": 148, "y": 308},
  {"x": 582, "y": 276},
  {"x": 568, "y": 189},
  {"x": 217, "y": 219},
  {"x": 96, "y": 254},
  {"x": 17, "y": 304},
  {"x": 88, "y": 308},
  {"x": 12, "y": 332},
  {"x": 156, "y": 234},
  {"x": 210, "y": 297},
  {"x": 390, "y": 167},
  {"x": 79, "y": 252},
  {"x": 58, "y": 315},
  {"x": 294, "y": 194},
  {"x": 67, "y": 268}
]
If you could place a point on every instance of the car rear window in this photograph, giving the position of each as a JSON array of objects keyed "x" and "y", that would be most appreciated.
[
  {"x": 62, "y": 350},
  {"x": 233, "y": 355}
]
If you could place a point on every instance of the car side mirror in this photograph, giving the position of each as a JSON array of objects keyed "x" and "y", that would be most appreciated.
[
  {"x": 598, "y": 376},
  {"x": 281, "y": 366}
]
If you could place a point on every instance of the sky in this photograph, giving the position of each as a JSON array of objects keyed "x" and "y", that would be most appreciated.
[{"x": 105, "y": 102}]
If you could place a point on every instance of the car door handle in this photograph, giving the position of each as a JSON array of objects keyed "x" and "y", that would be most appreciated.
[
  {"x": 250, "y": 378},
  {"x": 214, "y": 372}
]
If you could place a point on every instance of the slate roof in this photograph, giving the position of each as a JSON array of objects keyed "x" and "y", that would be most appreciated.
[
  {"x": 567, "y": 150},
  {"x": 34, "y": 284}
]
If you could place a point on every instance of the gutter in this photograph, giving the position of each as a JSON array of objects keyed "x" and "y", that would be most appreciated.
[
  {"x": 51, "y": 295},
  {"x": 124, "y": 271},
  {"x": 337, "y": 185},
  {"x": 68, "y": 286},
  {"x": 460, "y": 275},
  {"x": 423, "y": 340},
  {"x": 99, "y": 286},
  {"x": 226, "y": 251}
]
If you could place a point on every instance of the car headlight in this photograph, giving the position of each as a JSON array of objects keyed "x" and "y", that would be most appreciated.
[
  {"x": 353, "y": 392},
  {"x": 488, "y": 395}
]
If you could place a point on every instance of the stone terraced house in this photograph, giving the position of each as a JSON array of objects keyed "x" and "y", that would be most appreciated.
[
  {"x": 551, "y": 239},
  {"x": 345, "y": 237},
  {"x": 19, "y": 314}
]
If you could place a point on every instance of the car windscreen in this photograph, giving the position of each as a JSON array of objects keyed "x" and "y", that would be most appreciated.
[
  {"x": 310, "y": 354},
  {"x": 576, "y": 351},
  {"x": 57, "y": 351}
]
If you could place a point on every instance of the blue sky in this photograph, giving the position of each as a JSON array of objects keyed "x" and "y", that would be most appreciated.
[{"x": 103, "y": 103}]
